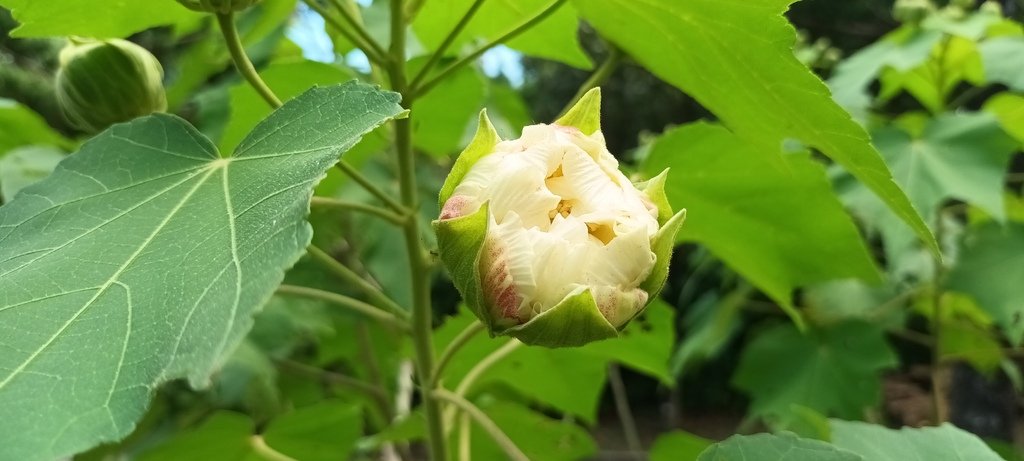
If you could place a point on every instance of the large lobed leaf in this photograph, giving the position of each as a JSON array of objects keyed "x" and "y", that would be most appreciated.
[
  {"x": 990, "y": 269},
  {"x": 143, "y": 258},
  {"x": 735, "y": 57},
  {"x": 834, "y": 371},
  {"x": 780, "y": 229}
]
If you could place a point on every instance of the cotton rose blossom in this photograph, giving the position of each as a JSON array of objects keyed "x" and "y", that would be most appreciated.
[{"x": 547, "y": 240}]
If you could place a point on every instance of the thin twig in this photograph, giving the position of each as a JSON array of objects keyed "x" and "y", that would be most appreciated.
[
  {"x": 241, "y": 60},
  {"x": 358, "y": 27},
  {"x": 488, "y": 425},
  {"x": 265, "y": 451},
  {"x": 449, "y": 352},
  {"x": 600, "y": 75},
  {"x": 327, "y": 202},
  {"x": 425, "y": 87},
  {"x": 367, "y": 49},
  {"x": 622, "y": 408},
  {"x": 343, "y": 272},
  {"x": 370, "y": 187},
  {"x": 447, "y": 42},
  {"x": 344, "y": 301}
]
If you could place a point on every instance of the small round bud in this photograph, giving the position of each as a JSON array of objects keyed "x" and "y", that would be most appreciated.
[
  {"x": 218, "y": 6},
  {"x": 100, "y": 83}
]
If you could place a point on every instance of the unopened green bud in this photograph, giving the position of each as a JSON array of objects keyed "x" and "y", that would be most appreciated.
[
  {"x": 218, "y": 6},
  {"x": 101, "y": 83}
]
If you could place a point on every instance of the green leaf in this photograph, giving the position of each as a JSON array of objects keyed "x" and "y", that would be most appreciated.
[
  {"x": 735, "y": 58},
  {"x": 288, "y": 79},
  {"x": 645, "y": 345},
  {"x": 224, "y": 436},
  {"x": 961, "y": 62},
  {"x": 902, "y": 49},
  {"x": 94, "y": 18},
  {"x": 710, "y": 324},
  {"x": 958, "y": 156},
  {"x": 539, "y": 437},
  {"x": 834, "y": 371},
  {"x": 1001, "y": 57},
  {"x": 1009, "y": 109},
  {"x": 781, "y": 229},
  {"x": 20, "y": 126},
  {"x": 775, "y": 447},
  {"x": 442, "y": 117},
  {"x": 155, "y": 255},
  {"x": 24, "y": 166},
  {"x": 878, "y": 443},
  {"x": 990, "y": 268},
  {"x": 553, "y": 38},
  {"x": 324, "y": 431},
  {"x": 678, "y": 446}
]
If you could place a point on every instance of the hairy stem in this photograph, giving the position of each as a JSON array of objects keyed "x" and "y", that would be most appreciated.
[{"x": 242, "y": 62}]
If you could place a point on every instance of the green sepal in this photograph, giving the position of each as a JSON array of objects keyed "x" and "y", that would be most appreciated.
[
  {"x": 662, "y": 244},
  {"x": 585, "y": 115},
  {"x": 460, "y": 243},
  {"x": 573, "y": 322},
  {"x": 654, "y": 188},
  {"x": 482, "y": 144}
]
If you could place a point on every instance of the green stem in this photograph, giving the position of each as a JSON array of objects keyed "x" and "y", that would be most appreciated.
[
  {"x": 425, "y": 87},
  {"x": 265, "y": 451},
  {"x": 242, "y": 62},
  {"x": 449, "y": 352},
  {"x": 348, "y": 275},
  {"x": 370, "y": 187},
  {"x": 347, "y": 302},
  {"x": 447, "y": 42},
  {"x": 600, "y": 75},
  {"x": 474, "y": 373},
  {"x": 419, "y": 265},
  {"x": 327, "y": 202},
  {"x": 361, "y": 31},
  {"x": 938, "y": 387},
  {"x": 367, "y": 48},
  {"x": 622, "y": 408},
  {"x": 488, "y": 425}
]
